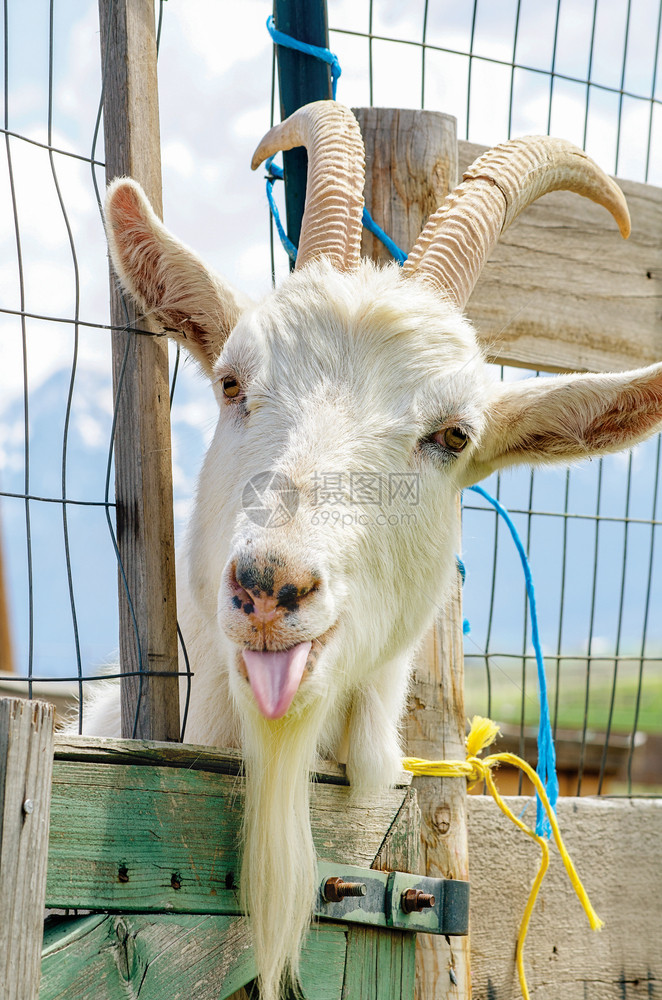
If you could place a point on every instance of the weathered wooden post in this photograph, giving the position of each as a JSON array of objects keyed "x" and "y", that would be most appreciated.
[
  {"x": 411, "y": 164},
  {"x": 143, "y": 470},
  {"x": 26, "y": 768}
]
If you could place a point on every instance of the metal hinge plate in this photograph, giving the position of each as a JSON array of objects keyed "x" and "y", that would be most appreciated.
[{"x": 381, "y": 905}]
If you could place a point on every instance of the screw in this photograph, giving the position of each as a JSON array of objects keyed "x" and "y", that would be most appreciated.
[
  {"x": 413, "y": 900},
  {"x": 176, "y": 880},
  {"x": 335, "y": 889},
  {"x": 28, "y": 806},
  {"x": 123, "y": 873}
]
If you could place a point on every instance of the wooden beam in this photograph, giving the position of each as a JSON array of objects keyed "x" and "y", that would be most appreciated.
[
  {"x": 26, "y": 761},
  {"x": 143, "y": 468},
  {"x": 112, "y": 957},
  {"x": 134, "y": 837},
  {"x": 189, "y": 756},
  {"x": 411, "y": 160},
  {"x": 161, "y": 955},
  {"x": 563, "y": 292},
  {"x": 401, "y": 849},
  {"x": 379, "y": 966}
]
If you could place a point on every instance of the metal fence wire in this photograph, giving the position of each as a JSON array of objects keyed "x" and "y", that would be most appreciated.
[
  {"x": 583, "y": 69},
  {"x": 58, "y": 420},
  {"x": 589, "y": 71}
]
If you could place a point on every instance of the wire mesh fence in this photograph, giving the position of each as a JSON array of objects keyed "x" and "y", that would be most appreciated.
[
  {"x": 589, "y": 72},
  {"x": 583, "y": 69},
  {"x": 59, "y": 409},
  {"x": 49, "y": 311}
]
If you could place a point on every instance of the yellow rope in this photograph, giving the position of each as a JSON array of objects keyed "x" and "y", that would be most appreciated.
[{"x": 481, "y": 735}]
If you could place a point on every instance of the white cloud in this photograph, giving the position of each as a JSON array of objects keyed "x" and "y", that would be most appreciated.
[{"x": 178, "y": 157}]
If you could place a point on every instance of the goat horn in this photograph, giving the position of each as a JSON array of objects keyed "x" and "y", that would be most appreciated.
[
  {"x": 458, "y": 238},
  {"x": 331, "y": 224}
]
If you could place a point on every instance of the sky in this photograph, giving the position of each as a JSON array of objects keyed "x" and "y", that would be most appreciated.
[{"x": 215, "y": 67}]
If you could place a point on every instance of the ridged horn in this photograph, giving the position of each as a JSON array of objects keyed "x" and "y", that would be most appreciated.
[
  {"x": 459, "y": 237},
  {"x": 331, "y": 224}
]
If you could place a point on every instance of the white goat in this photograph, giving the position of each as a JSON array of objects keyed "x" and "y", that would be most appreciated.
[{"x": 301, "y": 632}]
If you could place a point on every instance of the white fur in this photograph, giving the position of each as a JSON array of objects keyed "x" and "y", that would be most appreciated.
[{"x": 342, "y": 373}]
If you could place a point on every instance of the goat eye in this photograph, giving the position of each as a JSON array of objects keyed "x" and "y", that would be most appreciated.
[
  {"x": 454, "y": 438},
  {"x": 231, "y": 388}
]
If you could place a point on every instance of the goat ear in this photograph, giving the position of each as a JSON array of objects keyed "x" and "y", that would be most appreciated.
[
  {"x": 567, "y": 417},
  {"x": 165, "y": 277}
]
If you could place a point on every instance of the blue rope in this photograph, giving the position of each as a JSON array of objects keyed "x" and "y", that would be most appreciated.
[
  {"x": 462, "y": 570},
  {"x": 276, "y": 173},
  {"x": 390, "y": 245},
  {"x": 280, "y": 38},
  {"x": 546, "y": 768}
]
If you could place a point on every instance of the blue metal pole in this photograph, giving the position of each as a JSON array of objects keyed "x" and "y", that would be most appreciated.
[{"x": 301, "y": 79}]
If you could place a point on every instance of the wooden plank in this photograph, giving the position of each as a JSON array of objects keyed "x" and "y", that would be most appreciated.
[
  {"x": 145, "y": 752},
  {"x": 380, "y": 965},
  {"x": 615, "y": 845},
  {"x": 323, "y": 962},
  {"x": 26, "y": 760},
  {"x": 143, "y": 468},
  {"x": 138, "y": 838},
  {"x": 400, "y": 850},
  {"x": 113, "y": 957},
  {"x": 411, "y": 162},
  {"x": 563, "y": 292}
]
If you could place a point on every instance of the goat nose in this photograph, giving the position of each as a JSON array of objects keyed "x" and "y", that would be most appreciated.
[{"x": 271, "y": 590}]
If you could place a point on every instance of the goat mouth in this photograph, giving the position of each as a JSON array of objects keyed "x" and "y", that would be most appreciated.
[{"x": 276, "y": 675}]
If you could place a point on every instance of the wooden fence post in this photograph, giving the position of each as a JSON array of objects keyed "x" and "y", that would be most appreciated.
[
  {"x": 26, "y": 768},
  {"x": 143, "y": 468},
  {"x": 411, "y": 164}
]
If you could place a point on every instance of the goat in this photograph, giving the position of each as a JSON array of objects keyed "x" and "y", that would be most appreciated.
[{"x": 301, "y": 628}]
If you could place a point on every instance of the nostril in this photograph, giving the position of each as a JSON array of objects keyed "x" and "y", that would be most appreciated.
[
  {"x": 240, "y": 596},
  {"x": 288, "y": 597},
  {"x": 290, "y": 594},
  {"x": 254, "y": 579}
]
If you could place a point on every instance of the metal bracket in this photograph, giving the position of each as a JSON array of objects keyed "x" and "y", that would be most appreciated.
[{"x": 444, "y": 902}]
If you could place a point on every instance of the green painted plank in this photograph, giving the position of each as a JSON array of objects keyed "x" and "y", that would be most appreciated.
[
  {"x": 172, "y": 957},
  {"x": 178, "y": 957},
  {"x": 137, "y": 838},
  {"x": 380, "y": 965},
  {"x": 77, "y": 959},
  {"x": 323, "y": 963},
  {"x": 185, "y": 755}
]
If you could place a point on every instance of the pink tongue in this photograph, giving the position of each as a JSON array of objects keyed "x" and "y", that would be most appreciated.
[{"x": 275, "y": 677}]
